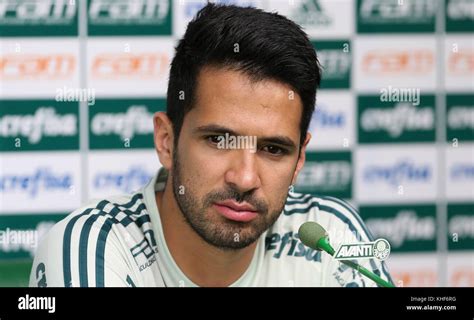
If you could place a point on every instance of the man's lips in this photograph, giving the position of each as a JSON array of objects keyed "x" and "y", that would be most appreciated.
[
  {"x": 232, "y": 210},
  {"x": 244, "y": 206}
]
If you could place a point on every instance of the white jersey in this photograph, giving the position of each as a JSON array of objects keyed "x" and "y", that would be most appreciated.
[{"x": 119, "y": 242}]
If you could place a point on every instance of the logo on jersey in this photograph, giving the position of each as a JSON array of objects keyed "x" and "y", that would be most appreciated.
[
  {"x": 378, "y": 249},
  {"x": 143, "y": 252},
  {"x": 290, "y": 245},
  {"x": 41, "y": 276}
]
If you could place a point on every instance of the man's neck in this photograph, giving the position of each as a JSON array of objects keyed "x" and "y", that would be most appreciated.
[{"x": 202, "y": 263}]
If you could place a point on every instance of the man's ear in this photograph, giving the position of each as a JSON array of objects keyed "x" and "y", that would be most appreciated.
[
  {"x": 302, "y": 158},
  {"x": 163, "y": 137}
]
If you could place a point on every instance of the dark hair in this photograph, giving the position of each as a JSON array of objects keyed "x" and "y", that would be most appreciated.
[{"x": 270, "y": 46}]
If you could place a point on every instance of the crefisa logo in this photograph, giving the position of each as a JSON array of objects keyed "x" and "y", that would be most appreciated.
[{"x": 378, "y": 249}]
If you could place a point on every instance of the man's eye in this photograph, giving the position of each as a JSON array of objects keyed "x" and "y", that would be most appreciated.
[
  {"x": 274, "y": 150},
  {"x": 213, "y": 139}
]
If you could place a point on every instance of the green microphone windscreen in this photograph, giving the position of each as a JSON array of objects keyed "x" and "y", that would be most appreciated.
[{"x": 310, "y": 233}]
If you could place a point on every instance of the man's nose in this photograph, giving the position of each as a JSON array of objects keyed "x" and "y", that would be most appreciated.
[{"x": 243, "y": 174}]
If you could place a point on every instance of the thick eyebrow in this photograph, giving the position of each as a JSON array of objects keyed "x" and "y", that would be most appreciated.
[{"x": 214, "y": 128}]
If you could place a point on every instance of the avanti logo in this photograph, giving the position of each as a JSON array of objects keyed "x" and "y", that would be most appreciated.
[
  {"x": 379, "y": 249},
  {"x": 399, "y": 173},
  {"x": 127, "y": 181},
  {"x": 37, "y": 66},
  {"x": 310, "y": 13},
  {"x": 45, "y": 122},
  {"x": 43, "y": 179}
]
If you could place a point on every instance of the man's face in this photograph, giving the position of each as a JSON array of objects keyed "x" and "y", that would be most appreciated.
[{"x": 231, "y": 194}]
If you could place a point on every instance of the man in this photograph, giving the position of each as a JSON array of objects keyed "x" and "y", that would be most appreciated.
[{"x": 218, "y": 213}]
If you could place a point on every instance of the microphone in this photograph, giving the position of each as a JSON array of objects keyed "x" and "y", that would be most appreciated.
[{"x": 313, "y": 235}]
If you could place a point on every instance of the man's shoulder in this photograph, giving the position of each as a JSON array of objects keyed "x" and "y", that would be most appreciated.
[
  {"x": 102, "y": 233},
  {"x": 103, "y": 214}
]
